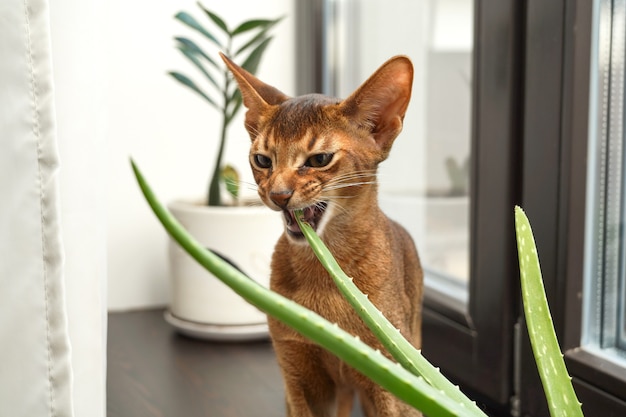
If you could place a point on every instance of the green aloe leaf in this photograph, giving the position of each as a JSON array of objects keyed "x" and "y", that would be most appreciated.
[
  {"x": 557, "y": 384},
  {"x": 183, "y": 79},
  {"x": 397, "y": 345},
  {"x": 190, "y": 21},
  {"x": 410, "y": 388}
]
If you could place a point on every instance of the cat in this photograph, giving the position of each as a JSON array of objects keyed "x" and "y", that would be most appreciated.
[{"x": 321, "y": 154}]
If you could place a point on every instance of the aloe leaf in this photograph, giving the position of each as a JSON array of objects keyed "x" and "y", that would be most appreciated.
[
  {"x": 253, "y": 24},
  {"x": 183, "y": 79},
  {"x": 193, "y": 47},
  {"x": 190, "y": 21},
  {"x": 193, "y": 58},
  {"x": 410, "y": 388},
  {"x": 251, "y": 64},
  {"x": 216, "y": 19},
  {"x": 397, "y": 345},
  {"x": 557, "y": 384}
]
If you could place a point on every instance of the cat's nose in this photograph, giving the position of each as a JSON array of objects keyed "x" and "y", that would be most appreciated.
[{"x": 281, "y": 197}]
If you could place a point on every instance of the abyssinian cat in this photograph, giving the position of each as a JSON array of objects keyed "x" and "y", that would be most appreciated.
[{"x": 321, "y": 154}]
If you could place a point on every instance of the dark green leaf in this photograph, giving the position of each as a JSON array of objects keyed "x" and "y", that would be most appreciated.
[
  {"x": 251, "y": 64},
  {"x": 259, "y": 37},
  {"x": 253, "y": 24},
  {"x": 191, "y": 56},
  {"x": 190, "y": 84},
  {"x": 193, "y": 47},
  {"x": 216, "y": 19},
  {"x": 235, "y": 96},
  {"x": 234, "y": 103},
  {"x": 190, "y": 21}
]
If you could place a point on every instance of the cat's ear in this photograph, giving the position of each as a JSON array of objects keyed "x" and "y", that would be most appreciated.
[
  {"x": 258, "y": 97},
  {"x": 380, "y": 103}
]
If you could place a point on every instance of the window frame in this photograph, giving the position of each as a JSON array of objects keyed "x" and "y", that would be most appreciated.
[
  {"x": 530, "y": 122},
  {"x": 473, "y": 343},
  {"x": 556, "y": 137},
  {"x": 543, "y": 165}
]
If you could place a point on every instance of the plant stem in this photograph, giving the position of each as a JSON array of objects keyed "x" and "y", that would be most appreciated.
[{"x": 215, "y": 197}]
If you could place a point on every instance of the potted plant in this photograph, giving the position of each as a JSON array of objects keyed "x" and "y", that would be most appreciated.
[{"x": 221, "y": 220}]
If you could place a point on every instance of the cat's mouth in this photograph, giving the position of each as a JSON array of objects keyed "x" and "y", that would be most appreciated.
[{"x": 311, "y": 215}]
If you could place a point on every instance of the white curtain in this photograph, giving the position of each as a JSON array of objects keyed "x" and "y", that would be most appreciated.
[{"x": 52, "y": 260}]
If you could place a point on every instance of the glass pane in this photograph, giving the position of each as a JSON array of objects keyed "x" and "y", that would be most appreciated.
[
  {"x": 425, "y": 182},
  {"x": 605, "y": 285}
]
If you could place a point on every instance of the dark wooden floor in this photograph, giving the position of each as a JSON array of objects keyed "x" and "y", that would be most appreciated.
[{"x": 153, "y": 371}]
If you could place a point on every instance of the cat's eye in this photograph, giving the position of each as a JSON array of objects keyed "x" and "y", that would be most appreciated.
[
  {"x": 319, "y": 160},
  {"x": 262, "y": 161}
]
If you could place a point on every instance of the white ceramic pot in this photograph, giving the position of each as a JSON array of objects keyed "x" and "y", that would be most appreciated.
[{"x": 201, "y": 305}]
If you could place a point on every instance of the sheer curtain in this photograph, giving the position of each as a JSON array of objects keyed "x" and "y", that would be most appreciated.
[{"x": 52, "y": 260}]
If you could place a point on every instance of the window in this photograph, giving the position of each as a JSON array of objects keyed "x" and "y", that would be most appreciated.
[
  {"x": 450, "y": 177},
  {"x": 569, "y": 190},
  {"x": 604, "y": 329},
  {"x": 424, "y": 184},
  {"x": 521, "y": 117}
]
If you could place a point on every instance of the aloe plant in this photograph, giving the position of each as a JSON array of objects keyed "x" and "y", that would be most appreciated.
[
  {"x": 557, "y": 384},
  {"x": 412, "y": 389},
  {"x": 396, "y": 344},
  {"x": 412, "y": 379},
  {"x": 222, "y": 94}
]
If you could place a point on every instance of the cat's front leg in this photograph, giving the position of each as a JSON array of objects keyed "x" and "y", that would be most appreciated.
[
  {"x": 376, "y": 402},
  {"x": 309, "y": 389}
]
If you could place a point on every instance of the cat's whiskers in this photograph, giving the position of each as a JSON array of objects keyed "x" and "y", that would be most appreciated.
[
  {"x": 363, "y": 173},
  {"x": 245, "y": 184},
  {"x": 249, "y": 185},
  {"x": 339, "y": 197},
  {"x": 335, "y": 205},
  {"x": 347, "y": 185},
  {"x": 347, "y": 180}
]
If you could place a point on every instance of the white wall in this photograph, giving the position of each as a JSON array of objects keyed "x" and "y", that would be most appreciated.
[
  {"x": 408, "y": 35},
  {"x": 168, "y": 130}
]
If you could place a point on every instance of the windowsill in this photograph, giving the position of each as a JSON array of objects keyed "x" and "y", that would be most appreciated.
[
  {"x": 447, "y": 299},
  {"x": 596, "y": 370}
]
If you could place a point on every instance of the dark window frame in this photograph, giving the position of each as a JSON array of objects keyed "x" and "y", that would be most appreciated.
[
  {"x": 530, "y": 117},
  {"x": 473, "y": 344},
  {"x": 533, "y": 122},
  {"x": 556, "y": 135}
]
